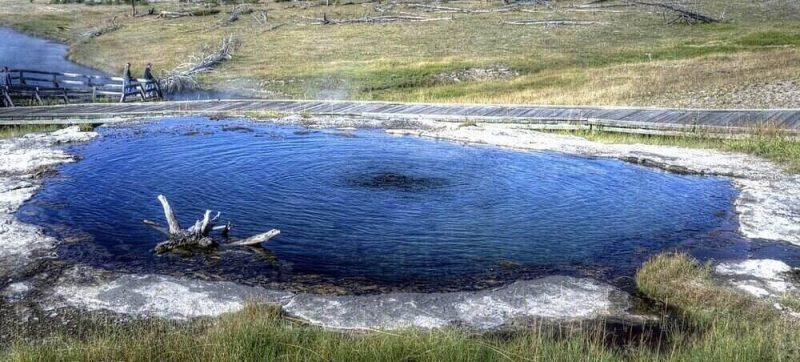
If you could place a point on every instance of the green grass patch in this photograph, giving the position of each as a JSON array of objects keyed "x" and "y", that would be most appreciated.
[
  {"x": 468, "y": 123},
  {"x": 683, "y": 282},
  {"x": 388, "y": 76},
  {"x": 771, "y": 38},
  {"x": 262, "y": 333},
  {"x": 261, "y": 115},
  {"x": 594, "y": 59},
  {"x": 727, "y": 325},
  {"x": 763, "y": 142},
  {"x": 791, "y": 301},
  {"x": 21, "y": 130}
]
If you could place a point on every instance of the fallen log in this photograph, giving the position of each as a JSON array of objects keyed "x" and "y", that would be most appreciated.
[
  {"x": 199, "y": 235},
  {"x": 684, "y": 14},
  {"x": 448, "y": 9},
  {"x": 184, "y": 76},
  {"x": 260, "y": 17},
  {"x": 552, "y": 22},
  {"x": 376, "y": 20},
  {"x": 575, "y": 10},
  {"x": 173, "y": 14},
  {"x": 106, "y": 27},
  {"x": 236, "y": 13},
  {"x": 180, "y": 14}
]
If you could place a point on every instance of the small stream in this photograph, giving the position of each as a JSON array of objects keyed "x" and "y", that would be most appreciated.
[
  {"x": 18, "y": 50},
  {"x": 22, "y": 51}
]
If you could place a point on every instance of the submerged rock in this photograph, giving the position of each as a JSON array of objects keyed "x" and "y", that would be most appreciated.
[{"x": 398, "y": 181}]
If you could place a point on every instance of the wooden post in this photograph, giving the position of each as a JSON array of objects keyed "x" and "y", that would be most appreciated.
[
  {"x": 126, "y": 82},
  {"x": 36, "y": 96},
  {"x": 158, "y": 90},
  {"x": 141, "y": 90},
  {"x": 7, "y": 98}
]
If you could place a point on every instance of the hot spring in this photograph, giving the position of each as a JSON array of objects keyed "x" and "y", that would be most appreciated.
[{"x": 364, "y": 211}]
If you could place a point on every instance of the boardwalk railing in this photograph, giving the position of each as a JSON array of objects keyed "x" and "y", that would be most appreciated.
[{"x": 36, "y": 85}]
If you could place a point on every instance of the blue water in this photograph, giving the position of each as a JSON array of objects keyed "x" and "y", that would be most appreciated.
[
  {"x": 21, "y": 51},
  {"x": 369, "y": 207}
]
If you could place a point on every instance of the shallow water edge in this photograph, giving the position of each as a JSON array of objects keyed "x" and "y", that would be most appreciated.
[{"x": 556, "y": 298}]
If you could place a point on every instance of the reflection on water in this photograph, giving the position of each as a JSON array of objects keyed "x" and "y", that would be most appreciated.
[{"x": 373, "y": 208}]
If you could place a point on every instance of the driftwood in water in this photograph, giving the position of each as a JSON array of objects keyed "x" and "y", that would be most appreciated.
[
  {"x": 199, "y": 235},
  {"x": 257, "y": 239}
]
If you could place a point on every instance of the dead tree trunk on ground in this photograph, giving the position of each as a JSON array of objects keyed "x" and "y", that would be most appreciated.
[{"x": 686, "y": 15}]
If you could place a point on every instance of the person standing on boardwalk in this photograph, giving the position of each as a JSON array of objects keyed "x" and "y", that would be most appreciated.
[
  {"x": 126, "y": 81},
  {"x": 151, "y": 86},
  {"x": 6, "y": 77},
  {"x": 128, "y": 76},
  {"x": 5, "y": 85},
  {"x": 148, "y": 73}
]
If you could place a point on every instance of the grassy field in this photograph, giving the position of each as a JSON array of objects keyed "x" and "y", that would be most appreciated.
[
  {"x": 766, "y": 143},
  {"x": 714, "y": 323},
  {"x": 17, "y": 131},
  {"x": 626, "y": 57}
]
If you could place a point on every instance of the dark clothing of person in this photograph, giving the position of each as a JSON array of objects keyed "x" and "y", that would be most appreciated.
[
  {"x": 5, "y": 82},
  {"x": 6, "y": 78},
  {"x": 151, "y": 88}
]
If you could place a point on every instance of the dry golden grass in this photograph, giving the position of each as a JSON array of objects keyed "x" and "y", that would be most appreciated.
[
  {"x": 657, "y": 83},
  {"x": 629, "y": 58}
]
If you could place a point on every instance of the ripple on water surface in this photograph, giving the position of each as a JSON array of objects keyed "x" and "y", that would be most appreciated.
[{"x": 364, "y": 206}]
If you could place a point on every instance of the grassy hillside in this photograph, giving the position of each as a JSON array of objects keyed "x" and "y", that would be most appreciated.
[{"x": 624, "y": 56}]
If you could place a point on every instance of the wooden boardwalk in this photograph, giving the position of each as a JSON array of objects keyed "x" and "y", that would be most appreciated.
[
  {"x": 630, "y": 118},
  {"x": 20, "y": 86}
]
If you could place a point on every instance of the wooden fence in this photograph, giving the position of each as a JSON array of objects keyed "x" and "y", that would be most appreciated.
[{"x": 35, "y": 86}]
